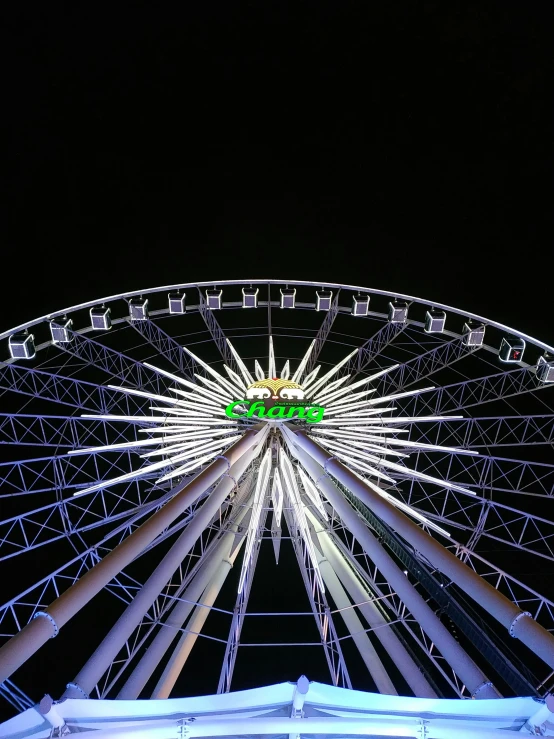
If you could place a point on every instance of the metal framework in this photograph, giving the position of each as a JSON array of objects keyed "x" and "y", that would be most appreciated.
[{"x": 416, "y": 508}]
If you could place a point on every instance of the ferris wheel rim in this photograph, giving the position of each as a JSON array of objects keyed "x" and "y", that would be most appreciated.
[{"x": 268, "y": 281}]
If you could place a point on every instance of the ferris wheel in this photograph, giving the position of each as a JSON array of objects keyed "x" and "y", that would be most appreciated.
[{"x": 155, "y": 442}]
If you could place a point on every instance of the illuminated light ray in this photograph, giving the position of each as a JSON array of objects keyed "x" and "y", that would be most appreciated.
[
  {"x": 403, "y": 506},
  {"x": 184, "y": 413},
  {"x": 135, "y": 474},
  {"x": 355, "y": 452},
  {"x": 188, "y": 467},
  {"x": 363, "y": 414},
  {"x": 329, "y": 374},
  {"x": 312, "y": 493},
  {"x": 199, "y": 408},
  {"x": 367, "y": 404},
  {"x": 405, "y": 394},
  {"x": 187, "y": 383},
  {"x": 302, "y": 366},
  {"x": 127, "y": 419},
  {"x": 272, "y": 369},
  {"x": 225, "y": 383},
  {"x": 245, "y": 373},
  {"x": 329, "y": 391},
  {"x": 311, "y": 377},
  {"x": 372, "y": 429},
  {"x": 200, "y": 399},
  {"x": 257, "y": 504},
  {"x": 285, "y": 372},
  {"x": 170, "y": 375},
  {"x": 376, "y": 448},
  {"x": 293, "y": 493},
  {"x": 223, "y": 395},
  {"x": 198, "y": 448},
  {"x": 235, "y": 378},
  {"x": 414, "y": 444},
  {"x": 207, "y": 422},
  {"x": 346, "y": 401},
  {"x": 344, "y": 390},
  {"x": 364, "y": 467},
  {"x": 143, "y": 394},
  {"x": 258, "y": 371},
  {"x": 195, "y": 435},
  {"x": 411, "y": 419},
  {"x": 277, "y": 496},
  {"x": 115, "y": 447},
  {"x": 382, "y": 372},
  {"x": 423, "y": 476},
  {"x": 186, "y": 418},
  {"x": 171, "y": 449}
]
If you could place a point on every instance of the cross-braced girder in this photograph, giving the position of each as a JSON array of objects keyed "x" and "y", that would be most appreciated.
[
  {"x": 70, "y": 391},
  {"x": 63, "y": 432},
  {"x": 487, "y": 431},
  {"x": 424, "y": 365},
  {"x": 166, "y": 346},
  {"x": 474, "y": 392},
  {"x": 114, "y": 363}
]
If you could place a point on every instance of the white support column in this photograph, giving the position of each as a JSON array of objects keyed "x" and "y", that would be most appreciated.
[
  {"x": 99, "y": 662},
  {"x": 382, "y": 630},
  {"x": 519, "y": 623},
  {"x": 459, "y": 660},
  {"x": 175, "y": 620},
  {"x": 46, "y": 624},
  {"x": 354, "y": 625},
  {"x": 188, "y": 639}
]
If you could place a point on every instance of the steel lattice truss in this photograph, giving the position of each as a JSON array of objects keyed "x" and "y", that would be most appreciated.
[{"x": 96, "y": 444}]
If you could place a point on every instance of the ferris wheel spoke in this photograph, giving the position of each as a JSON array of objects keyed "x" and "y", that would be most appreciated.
[
  {"x": 518, "y": 529},
  {"x": 70, "y": 432},
  {"x": 528, "y": 599},
  {"x": 73, "y": 517},
  {"x": 69, "y": 391},
  {"x": 166, "y": 346},
  {"x": 322, "y": 334},
  {"x": 65, "y": 472},
  {"x": 487, "y": 431},
  {"x": 423, "y": 366},
  {"x": 485, "y": 472},
  {"x": 469, "y": 393},
  {"x": 371, "y": 349},
  {"x": 113, "y": 363},
  {"x": 216, "y": 333}
]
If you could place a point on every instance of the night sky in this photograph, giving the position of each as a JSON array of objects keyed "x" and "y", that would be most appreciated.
[{"x": 401, "y": 146}]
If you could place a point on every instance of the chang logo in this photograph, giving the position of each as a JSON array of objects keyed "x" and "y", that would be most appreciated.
[
  {"x": 276, "y": 389},
  {"x": 246, "y": 409}
]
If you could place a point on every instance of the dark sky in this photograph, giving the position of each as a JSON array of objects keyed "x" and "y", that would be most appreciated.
[{"x": 402, "y": 146}]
